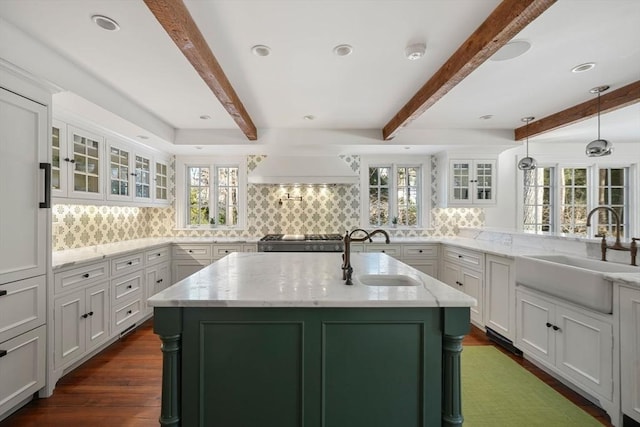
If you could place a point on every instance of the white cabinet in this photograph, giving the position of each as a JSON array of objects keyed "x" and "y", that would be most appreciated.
[
  {"x": 463, "y": 270},
  {"x": 24, "y": 240},
  {"x": 467, "y": 179},
  {"x": 500, "y": 303},
  {"x": 77, "y": 162},
  {"x": 130, "y": 173},
  {"x": 23, "y": 223},
  {"x": 161, "y": 181},
  {"x": 81, "y": 322},
  {"x": 157, "y": 279},
  {"x": 423, "y": 257},
  {"x": 188, "y": 259},
  {"x": 574, "y": 342},
  {"x": 630, "y": 352}
]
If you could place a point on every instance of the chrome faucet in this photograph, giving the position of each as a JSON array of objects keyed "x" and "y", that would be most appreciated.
[
  {"x": 347, "y": 270},
  {"x": 617, "y": 245}
]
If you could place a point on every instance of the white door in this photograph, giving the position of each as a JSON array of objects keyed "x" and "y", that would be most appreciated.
[
  {"x": 23, "y": 223},
  {"x": 499, "y": 304},
  {"x": 97, "y": 320},
  {"x": 535, "y": 327},
  {"x": 472, "y": 286},
  {"x": 70, "y": 332}
]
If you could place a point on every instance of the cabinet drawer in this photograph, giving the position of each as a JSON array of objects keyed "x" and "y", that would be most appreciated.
[
  {"x": 126, "y": 315},
  {"x": 464, "y": 257},
  {"x": 157, "y": 255},
  {"x": 222, "y": 251},
  {"x": 22, "y": 368},
  {"x": 420, "y": 251},
  {"x": 22, "y": 305},
  {"x": 185, "y": 251},
  {"x": 126, "y": 286},
  {"x": 81, "y": 276},
  {"x": 250, "y": 247},
  {"x": 390, "y": 250},
  {"x": 127, "y": 263}
]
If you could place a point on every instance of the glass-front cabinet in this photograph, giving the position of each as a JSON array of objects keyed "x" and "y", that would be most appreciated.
[
  {"x": 77, "y": 156},
  {"x": 143, "y": 177},
  {"x": 472, "y": 182},
  {"x": 161, "y": 181},
  {"x": 119, "y": 160}
]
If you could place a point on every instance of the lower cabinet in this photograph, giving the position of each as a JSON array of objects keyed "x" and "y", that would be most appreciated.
[
  {"x": 157, "y": 278},
  {"x": 630, "y": 351},
  {"x": 574, "y": 342},
  {"x": 22, "y": 367},
  {"x": 183, "y": 268},
  {"x": 81, "y": 322},
  {"x": 423, "y": 257},
  {"x": 500, "y": 300},
  {"x": 466, "y": 280}
]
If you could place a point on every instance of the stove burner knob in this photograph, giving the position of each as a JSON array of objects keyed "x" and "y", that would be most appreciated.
[
  {"x": 269, "y": 248},
  {"x": 320, "y": 247},
  {"x": 308, "y": 248},
  {"x": 337, "y": 248}
]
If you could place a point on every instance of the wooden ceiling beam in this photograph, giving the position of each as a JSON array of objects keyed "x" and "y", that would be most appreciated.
[
  {"x": 180, "y": 26},
  {"x": 507, "y": 20},
  {"x": 619, "y": 98}
]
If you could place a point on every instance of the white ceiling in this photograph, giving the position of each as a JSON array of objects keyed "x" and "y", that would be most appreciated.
[{"x": 352, "y": 97}]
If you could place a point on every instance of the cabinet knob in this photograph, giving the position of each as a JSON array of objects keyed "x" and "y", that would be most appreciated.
[
  {"x": 555, "y": 328},
  {"x": 190, "y": 251},
  {"x": 91, "y": 313},
  {"x": 158, "y": 254},
  {"x": 3, "y": 353},
  {"x": 420, "y": 250},
  {"x": 86, "y": 275},
  {"x": 226, "y": 251},
  {"x": 459, "y": 256},
  {"x": 66, "y": 159},
  {"x": 134, "y": 174},
  {"x": 130, "y": 263},
  {"x": 3, "y": 293},
  {"x": 129, "y": 312},
  {"x": 130, "y": 286},
  {"x": 383, "y": 251},
  {"x": 159, "y": 281},
  {"x": 549, "y": 325},
  {"x": 84, "y": 316}
]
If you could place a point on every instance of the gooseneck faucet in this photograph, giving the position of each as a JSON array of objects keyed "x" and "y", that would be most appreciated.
[
  {"x": 617, "y": 245},
  {"x": 347, "y": 270}
]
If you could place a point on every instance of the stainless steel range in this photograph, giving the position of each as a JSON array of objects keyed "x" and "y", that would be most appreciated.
[{"x": 301, "y": 243}]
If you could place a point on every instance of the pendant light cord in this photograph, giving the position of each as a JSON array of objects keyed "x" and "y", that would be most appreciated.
[
  {"x": 528, "y": 137},
  {"x": 598, "y": 115}
]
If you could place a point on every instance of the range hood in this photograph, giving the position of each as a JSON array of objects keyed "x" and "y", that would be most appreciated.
[{"x": 303, "y": 170}]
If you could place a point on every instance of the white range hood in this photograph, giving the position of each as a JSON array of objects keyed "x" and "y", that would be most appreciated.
[{"x": 303, "y": 170}]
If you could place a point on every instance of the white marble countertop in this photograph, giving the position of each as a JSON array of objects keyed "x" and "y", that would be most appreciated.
[
  {"x": 626, "y": 278},
  {"x": 305, "y": 280}
]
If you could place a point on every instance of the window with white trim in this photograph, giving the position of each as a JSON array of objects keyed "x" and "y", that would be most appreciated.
[
  {"x": 395, "y": 193},
  {"x": 211, "y": 194},
  {"x": 558, "y": 199}
]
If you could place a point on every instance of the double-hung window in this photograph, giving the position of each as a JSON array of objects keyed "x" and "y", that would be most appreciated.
[
  {"x": 214, "y": 194},
  {"x": 394, "y": 195},
  {"x": 558, "y": 199}
]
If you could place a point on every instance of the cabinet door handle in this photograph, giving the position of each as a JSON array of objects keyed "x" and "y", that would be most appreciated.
[
  {"x": 134, "y": 174},
  {"x": 91, "y": 313},
  {"x": 130, "y": 286},
  {"x": 190, "y": 251},
  {"x": 226, "y": 251},
  {"x": 158, "y": 254},
  {"x": 555, "y": 328},
  {"x": 3, "y": 353},
  {"x": 383, "y": 251},
  {"x": 47, "y": 186},
  {"x": 420, "y": 250},
  {"x": 129, "y": 312},
  {"x": 159, "y": 281},
  {"x": 66, "y": 159},
  {"x": 459, "y": 256},
  {"x": 86, "y": 275},
  {"x": 549, "y": 325},
  {"x": 130, "y": 263},
  {"x": 84, "y": 316},
  {"x": 3, "y": 293}
]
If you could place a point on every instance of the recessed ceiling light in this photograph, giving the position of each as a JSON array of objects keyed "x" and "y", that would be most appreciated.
[
  {"x": 511, "y": 50},
  {"x": 415, "y": 51},
  {"x": 105, "y": 22},
  {"x": 583, "y": 67},
  {"x": 486, "y": 117},
  {"x": 205, "y": 117},
  {"x": 309, "y": 117},
  {"x": 261, "y": 50},
  {"x": 343, "y": 50}
]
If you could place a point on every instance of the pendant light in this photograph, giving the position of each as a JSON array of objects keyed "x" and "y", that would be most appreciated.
[
  {"x": 527, "y": 163},
  {"x": 599, "y": 147}
]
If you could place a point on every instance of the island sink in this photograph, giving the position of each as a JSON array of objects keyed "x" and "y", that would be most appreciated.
[
  {"x": 575, "y": 279},
  {"x": 388, "y": 280}
]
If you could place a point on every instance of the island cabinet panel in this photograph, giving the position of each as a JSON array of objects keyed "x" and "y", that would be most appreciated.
[{"x": 311, "y": 367}]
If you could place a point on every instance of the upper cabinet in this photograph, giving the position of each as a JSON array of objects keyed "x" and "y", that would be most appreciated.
[
  {"x": 467, "y": 181},
  {"x": 87, "y": 165},
  {"x": 77, "y": 158}
]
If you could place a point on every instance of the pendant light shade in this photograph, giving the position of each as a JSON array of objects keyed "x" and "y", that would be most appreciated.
[
  {"x": 599, "y": 147},
  {"x": 527, "y": 163}
]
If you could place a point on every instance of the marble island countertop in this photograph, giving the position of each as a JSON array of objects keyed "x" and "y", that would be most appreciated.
[{"x": 305, "y": 280}]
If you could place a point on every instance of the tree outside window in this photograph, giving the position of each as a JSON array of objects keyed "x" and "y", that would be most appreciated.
[
  {"x": 198, "y": 191},
  {"x": 401, "y": 204}
]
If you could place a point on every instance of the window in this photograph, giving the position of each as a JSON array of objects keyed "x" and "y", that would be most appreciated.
[
  {"x": 212, "y": 193},
  {"x": 573, "y": 202},
  {"x": 394, "y": 193},
  {"x": 558, "y": 199},
  {"x": 538, "y": 198}
]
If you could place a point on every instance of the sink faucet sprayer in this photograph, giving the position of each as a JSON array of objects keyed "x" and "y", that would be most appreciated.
[
  {"x": 347, "y": 270},
  {"x": 633, "y": 248}
]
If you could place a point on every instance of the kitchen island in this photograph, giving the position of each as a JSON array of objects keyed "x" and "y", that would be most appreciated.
[{"x": 278, "y": 339}]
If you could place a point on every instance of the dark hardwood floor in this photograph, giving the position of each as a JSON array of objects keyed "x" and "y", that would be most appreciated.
[{"x": 121, "y": 387}]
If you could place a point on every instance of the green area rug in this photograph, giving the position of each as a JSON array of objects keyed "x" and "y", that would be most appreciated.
[{"x": 496, "y": 392}]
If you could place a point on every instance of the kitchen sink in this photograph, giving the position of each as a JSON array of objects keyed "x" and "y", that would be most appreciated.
[
  {"x": 575, "y": 279},
  {"x": 388, "y": 280}
]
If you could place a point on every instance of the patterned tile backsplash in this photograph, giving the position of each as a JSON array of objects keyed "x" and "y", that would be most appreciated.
[{"x": 322, "y": 209}]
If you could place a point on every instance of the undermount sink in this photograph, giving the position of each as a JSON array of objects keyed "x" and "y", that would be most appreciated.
[
  {"x": 579, "y": 280},
  {"x": 388, "y": 280}
]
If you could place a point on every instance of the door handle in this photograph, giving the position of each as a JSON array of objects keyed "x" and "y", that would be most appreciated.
[
  {"x": 3, "y": 293},
  {"x": 47, "y": 186}
]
